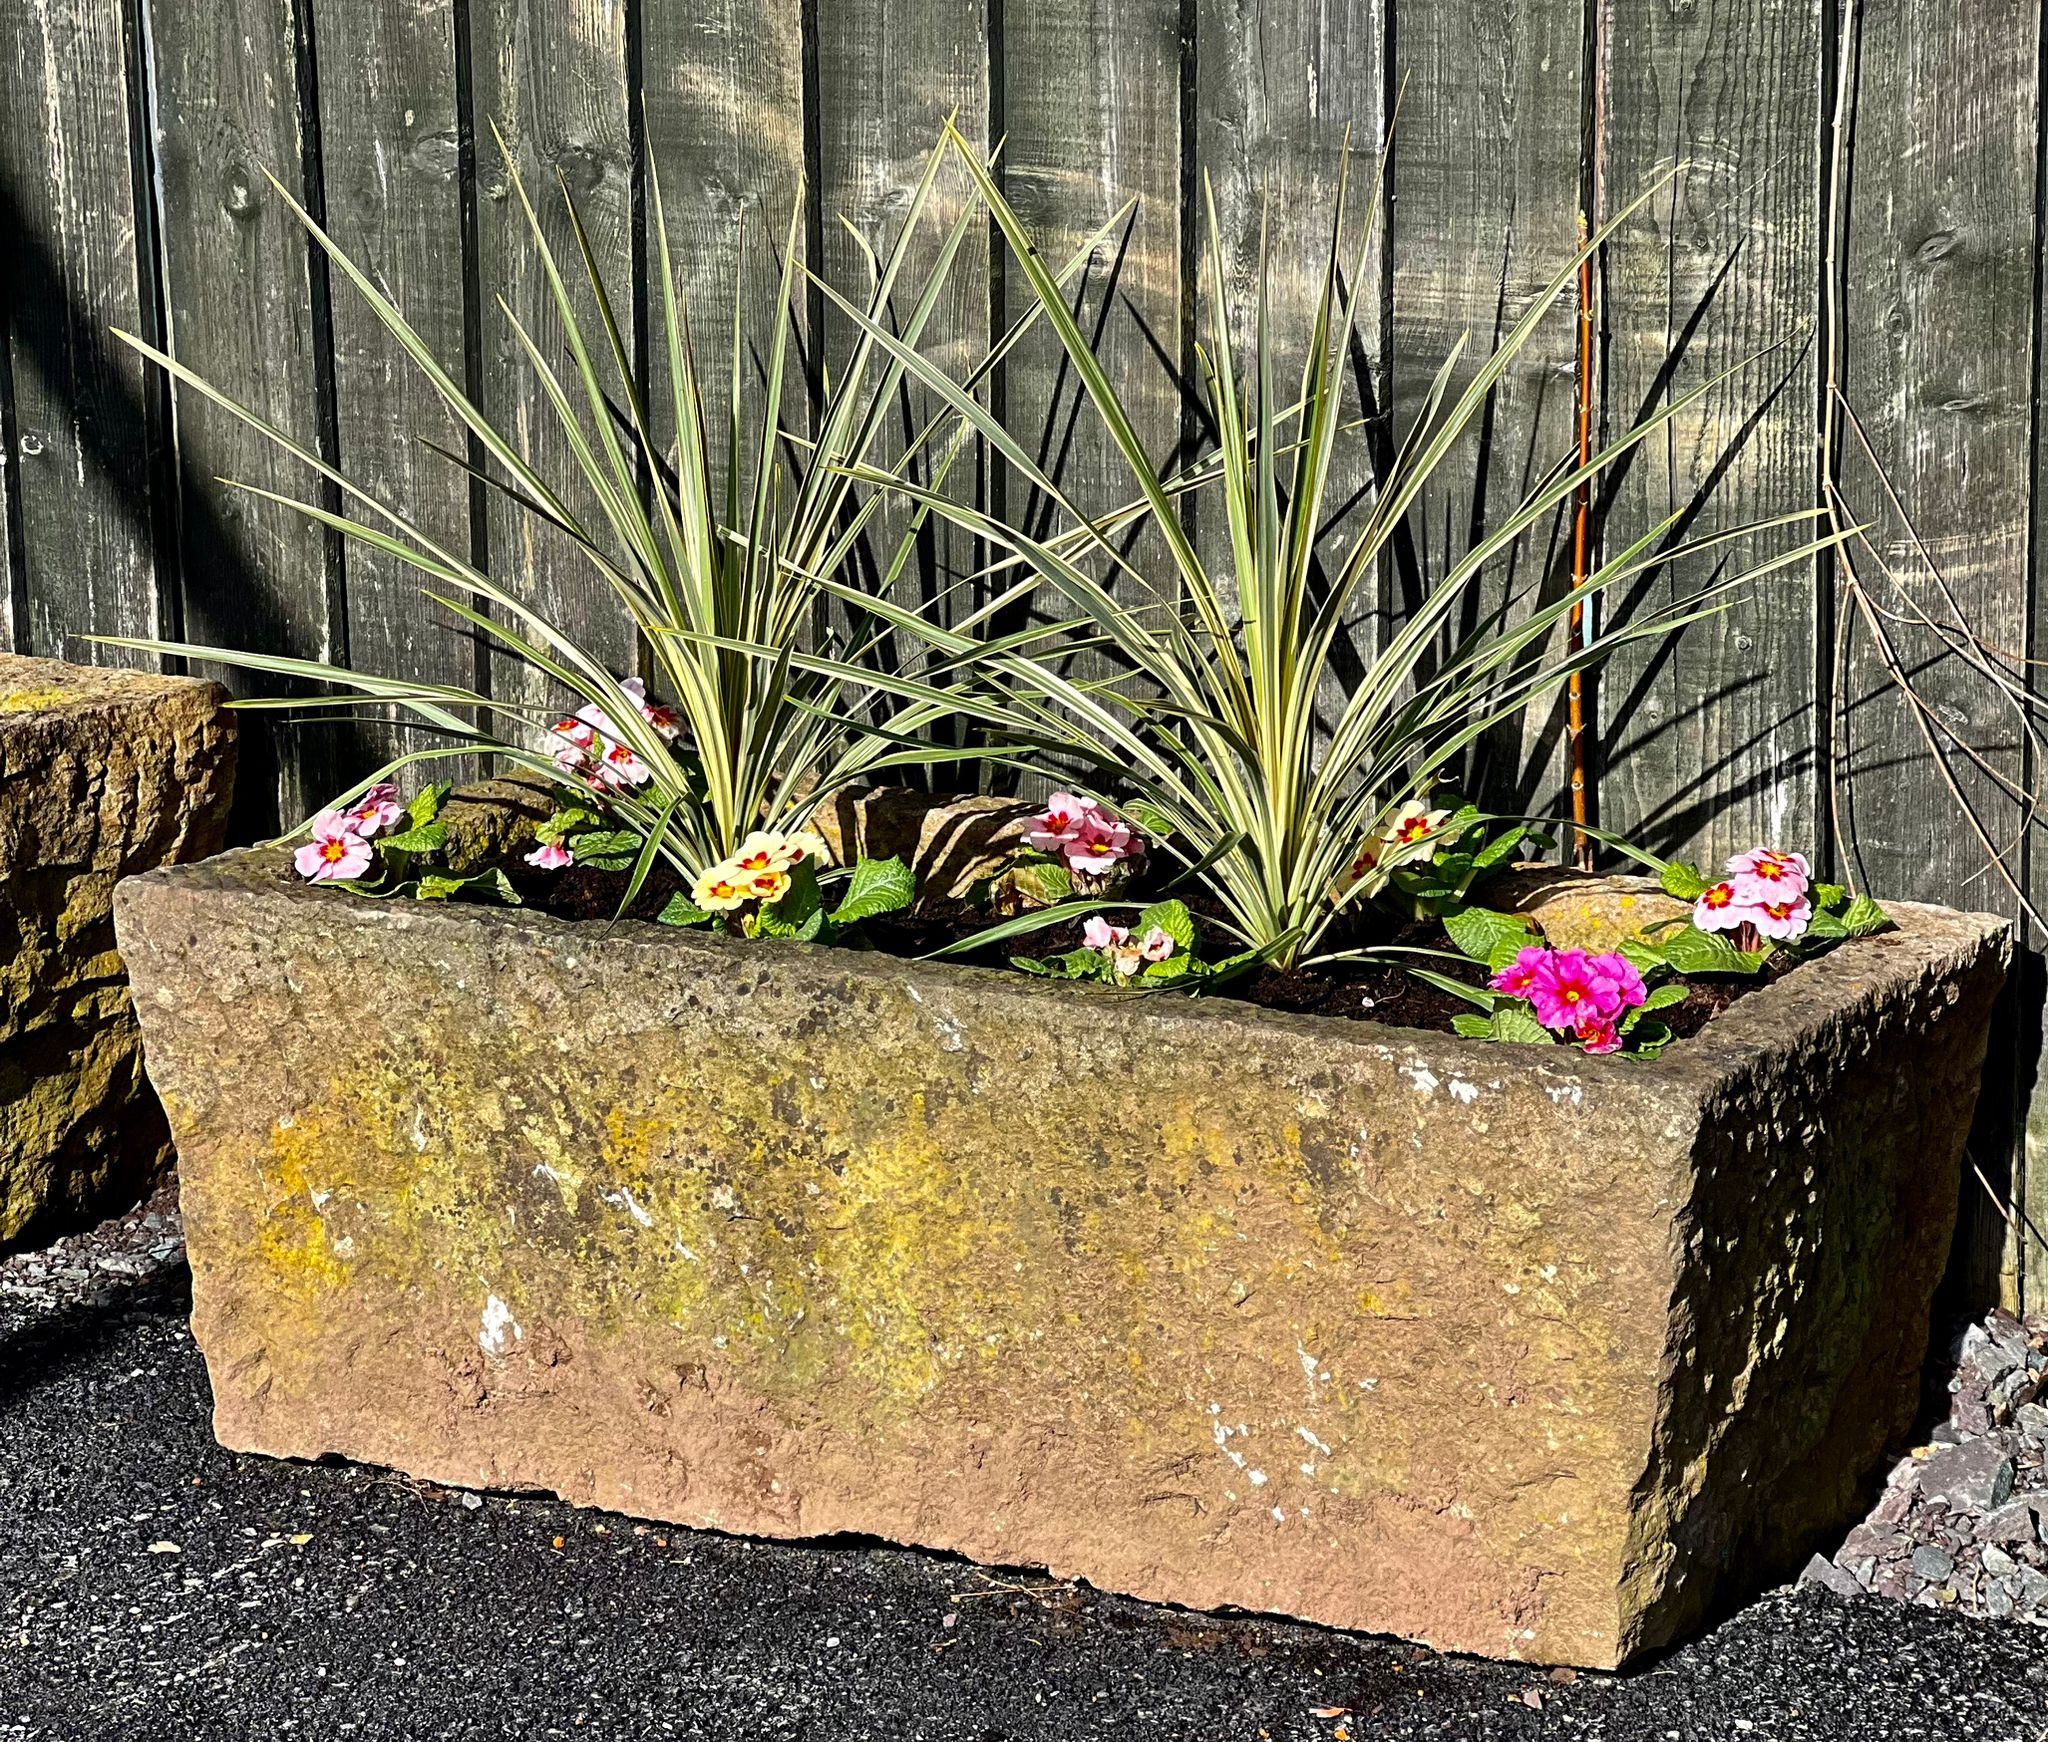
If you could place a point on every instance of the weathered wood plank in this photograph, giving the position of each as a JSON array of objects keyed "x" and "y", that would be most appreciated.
[
  {"x": 1091, "y": 112},
  {"x": 81, "y": 408},
  {"x": 553, "y": 80},
  {"x": 888, "y": 77},
  {"x": 1711, "y": 741},
  {"x": 1486, "y": 198},
  {"x": 1279, "y": 86},
  {"x": 725, "y": 128},
  {"x": 391, "y": 152},
  {"x": 240, "y": 305},
  {"x": 1937, "y": 339}
]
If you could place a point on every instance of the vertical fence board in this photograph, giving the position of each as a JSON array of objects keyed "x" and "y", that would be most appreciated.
[
  {"x": 392, "y": 159},
  {"x": 1711, "y": 741},
  {"x": 1938, "y": 311},
  {"x": 725, "y": 126},
  {"x": 1486, "y": 182},
  {"x": 1279, "y": 87},
  {"x": 552, "y": 79},
  {"x": 67, "y": 204},
  {"x": 1091, "y": 111},
  {"x": 241, "y": 315},
  {"x": 888, "y": 77}
]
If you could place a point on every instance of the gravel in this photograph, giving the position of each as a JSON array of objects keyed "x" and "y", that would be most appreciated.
[{"x": 155, "y": 1587}]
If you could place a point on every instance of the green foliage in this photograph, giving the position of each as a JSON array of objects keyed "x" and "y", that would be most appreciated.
[
  {"x": 877, "y": 886},
  {"x": 1695, "y": 952},
  {"x": 1489, "y": 937},
  {"x": 1683, "y": 882}
]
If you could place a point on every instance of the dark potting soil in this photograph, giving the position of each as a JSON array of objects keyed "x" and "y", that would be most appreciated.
[{"x": 1367, "y": 991}]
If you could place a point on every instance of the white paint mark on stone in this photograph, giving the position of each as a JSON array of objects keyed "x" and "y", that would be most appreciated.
[
  {"x": 623, "y": 1199},
  {"x": 1564, "y": 1092},
  {"x": 500, "y": 1329},
  {"x": 1308, "y": 1436},
  {"x": 1463, "y": 1092},
  {"x": 1258, "y": 1478},
  {"x": 1279, "y": 1515},
  {"x": 1421, "y": 1076}
]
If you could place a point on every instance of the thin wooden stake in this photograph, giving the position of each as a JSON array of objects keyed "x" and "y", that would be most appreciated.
[{"x": 1582, "y": 517}]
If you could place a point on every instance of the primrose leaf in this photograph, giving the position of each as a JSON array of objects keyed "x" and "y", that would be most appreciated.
[
  {"x": 1173, "y": 968},
  {"x": 435, "y": 888},
  {"x": 681, "y": 910},
  {"x": 1827, "y": 897},
  {"x": 607, "y": 849},
  {"x": 1650, "y": 1038},
  {"x": 877, "y": 886},
  {"x": 1032, "y": 965},
  {"x": 1149, "y": 818},
  {"x": 801, "y": 902},
  {"x": 1517, "y": 1022},
  {"x": 1485, "y": 935},
  {"x": 427, "y": 805},
  {"x": 1496, "y": 850},
  {"x": 1863, "y": 916},
  {"x": 1683, "y": 882},
  {"x": 1825, "y": 926},
  {"x": 1693, "y": 951},
  {"x": 426, "y": 837},
  {"x": 1171, "y": 917},
  {"x": 1662, "y": 998},
  {"x": 1472, "y": 1027},
  {"x": 1642, "y": 955}
]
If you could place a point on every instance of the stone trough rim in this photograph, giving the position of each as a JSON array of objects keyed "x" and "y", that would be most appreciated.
[{"x": 1824, "y": 988}]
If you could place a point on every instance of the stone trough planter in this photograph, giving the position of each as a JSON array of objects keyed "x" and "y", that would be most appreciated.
[{"x": 1515, "y": 1352}]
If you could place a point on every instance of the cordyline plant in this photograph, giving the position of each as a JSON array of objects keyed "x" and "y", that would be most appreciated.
[
  {"x": 723, "y": 583},
  {"x": 1218, "y": 740}
]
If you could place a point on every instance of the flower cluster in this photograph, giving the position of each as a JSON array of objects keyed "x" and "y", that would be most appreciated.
[
  {"x": 590, "y": 746},
  {"x": 340, "y": 850},
  {"x": 1572, "y": 992},
  {"x": 1765, "y": 890},
  {"x": 1084, "y": 834},
  {"x": 1406, "y": 835},
  {"x": 762, "y": 870},
  {"x": 1126, "y": 958}
]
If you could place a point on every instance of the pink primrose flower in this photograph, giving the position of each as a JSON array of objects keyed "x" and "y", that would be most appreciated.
[
  {"x": 1519, "y": 976},
  {"x": 1629, "y": 990},
  {"x": 1598, "y": 1034},
  {"x": 1784, "y": 920},
  {"x": 1099, "y": 934},
  {"x": 1779, "y": 867},
  {"x": 1719, "y": 909},
  {"x": 336, "y": 853},
  {"x": 1101, "y": 844},
  {"x": 618, "y": 766},
  {"x": 376, "y": 810},
  {"x": 551, "y": 857},
  {"x": 1567, "y": 988},
  {"x": 1058, "y": 823},
  {"x": 1157, "y": 946}
]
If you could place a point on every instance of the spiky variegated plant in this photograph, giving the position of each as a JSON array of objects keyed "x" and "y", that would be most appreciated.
[
  {"x": 723, "y": 582},
  {"x": 1233, "y": 648}
]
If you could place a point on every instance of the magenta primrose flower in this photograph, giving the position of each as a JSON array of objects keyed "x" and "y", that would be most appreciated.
[
  {"x": 1571, "y": 990},
  {"x": 337, "y": 853},
  {"x": 1518, "y": 978}
]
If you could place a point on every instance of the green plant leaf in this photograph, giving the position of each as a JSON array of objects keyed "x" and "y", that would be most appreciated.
[
  {"x": 1515, "y": 1021},
  {"x": 1823, "y": 927},
  {"x": 1863, "y": 917},
  {"x": 1485, "y": 1000},
  {"x": 1694, "y": 952},
  {"x": 1472, "y": 1027},
  {"x": 1683, "y": 882},
  {"x": 1171, "y": 917},
  {"x": 1661, "y": 998},
  {"x": 1497, "y": 850},
  {"x": 1150, "y": 819},
  {"x": 1646, "y": 958},
  {"x": 426, "y": 837},
  {"x": 1487, "y": 936},
  {"x": 801, "y": 904},
  {"x": 1173, "y": 968},
  {"x": 1650, "y": 1038},
  {"x": 1827, "y": 897},
  {"x": 607, "y": 849},
  {"x": 877, "y": 886},
  {"x": 681, "y": 910},
  {"x": 426, "y": 804}
]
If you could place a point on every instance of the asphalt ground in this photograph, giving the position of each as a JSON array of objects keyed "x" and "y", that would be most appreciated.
[{"x": 154, "y": 1586}]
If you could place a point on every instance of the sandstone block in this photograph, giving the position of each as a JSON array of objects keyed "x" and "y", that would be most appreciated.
[
  {"x": 1504, "y": 1348},
  {"x": 103, "y": 773}
]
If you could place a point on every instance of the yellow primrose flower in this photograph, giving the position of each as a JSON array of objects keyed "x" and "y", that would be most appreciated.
[
  {"x": 767, "y": 886},
  {"x": 720, "y": 890}
]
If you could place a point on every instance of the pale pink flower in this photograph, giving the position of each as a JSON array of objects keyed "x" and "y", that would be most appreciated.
[
  {"x": 618, "y": 766},
  {"x": 1629, "y": 991},
  {"x": 1767, "y": 884},
  {"x": 1127, "y": 959},
  {"x": 665, "y": 720},
  {"x": 1782, "y": 920},
  {"x": 1519, "y": 976},
  {"x": 1598, "y": 1034},
  {"x": 552, "y": 856},
  {"x": 1786, "y": 865},
  {"x": 1058, "y": 823},
  {"x": 376, "y": 810},
  {"x": 1099, "y": 934},
  {"x": 336, "y": 853},
  {"x": 1101, "y": 844},
  {"x": 1719, "y": 909},
  {"x": 577, "y": 740},
  {"x": 1157, "y": 947}
]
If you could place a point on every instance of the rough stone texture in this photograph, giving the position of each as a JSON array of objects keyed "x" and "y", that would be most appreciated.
[
  {"x": 1517, "y": 1352},
  {"x": 1580, "y": 911},
  {"x": 102, "y": 773}
]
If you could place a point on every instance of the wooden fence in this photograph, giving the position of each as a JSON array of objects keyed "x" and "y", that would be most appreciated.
[{"x": 1859, "y": 210}]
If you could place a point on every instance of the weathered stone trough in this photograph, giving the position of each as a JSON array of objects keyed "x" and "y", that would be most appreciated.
[{"x": 1502, "y": 1348}]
